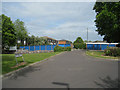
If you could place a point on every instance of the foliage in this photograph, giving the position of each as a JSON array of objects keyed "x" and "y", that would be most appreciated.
[
  {"x": 21, "y": 31},
  {"x": 68, "y": 49},
  {"x": 108, "y": 20},
  {"x": 112, "y": 51},
  {"x": 60, "y": 49},
  {"x": 79, "y": 43},
  {"x": 32, "y": 40},
  {"x": 8, "y": 60},
  {"x": 8, "y": 32},
  {"x": 99, "y": 54},
  {"x": 78, "y": 40}
]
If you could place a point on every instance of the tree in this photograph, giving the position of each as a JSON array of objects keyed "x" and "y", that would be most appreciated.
[
  {"x": 79, "y": 43},
  {"x": 108, "y": 20},
  {"x": 8, "y": 32},
  {"x": 21, "y": 31},
  {"x": 78, "y": 40}
]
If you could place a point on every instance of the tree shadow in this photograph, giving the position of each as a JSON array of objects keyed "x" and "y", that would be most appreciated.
[
  {"x": 107, "y": 82},
  {"x": 23, "y": 72}
]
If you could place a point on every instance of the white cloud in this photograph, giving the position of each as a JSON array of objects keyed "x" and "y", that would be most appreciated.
[{"x": 57, "y": 20}]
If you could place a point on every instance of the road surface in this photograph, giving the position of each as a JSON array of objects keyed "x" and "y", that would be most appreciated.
[{"x": 68, "y": 70}]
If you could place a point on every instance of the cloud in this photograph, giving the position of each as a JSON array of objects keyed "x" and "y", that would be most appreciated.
[{"x": 57, "y": 20}]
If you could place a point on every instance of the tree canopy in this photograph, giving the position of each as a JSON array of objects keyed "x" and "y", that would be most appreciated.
[
  {"x": 21, "y": 32},
  {"x": 78, "y": 40},
  {"x": 108, "y": 20},
  {"x": 79, "y": 43},
  {"x": 8, "y": 32}
]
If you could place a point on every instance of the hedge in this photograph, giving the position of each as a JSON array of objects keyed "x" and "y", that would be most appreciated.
[
  {"x": 80, "y": 45},
  {"x": 112, "y": 51},
  {"x": 60, "y": 49}
]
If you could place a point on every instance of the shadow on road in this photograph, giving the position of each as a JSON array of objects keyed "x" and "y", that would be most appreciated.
[
  {"x": 24, "y": 72},
  {"x": 62, "y": 84},
  {"x": 107, "y": 82}
]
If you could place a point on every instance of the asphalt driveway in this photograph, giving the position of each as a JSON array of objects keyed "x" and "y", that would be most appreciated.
[{"x": 68, "y": 70}]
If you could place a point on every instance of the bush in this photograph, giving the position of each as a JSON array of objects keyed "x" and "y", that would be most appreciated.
[
  {"x": 68, "y": 48},
  {"x": 80, "y": 45},
  {"x": 60, "y": 49},
  {"x": 112, "y": 51}
]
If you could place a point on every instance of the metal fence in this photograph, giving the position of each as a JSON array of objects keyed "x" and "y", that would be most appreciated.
[
  {"x": 99, "y": 46},
  {"x": 43, "y": 47}
]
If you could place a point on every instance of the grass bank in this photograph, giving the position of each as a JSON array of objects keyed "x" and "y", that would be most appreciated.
[
  {"x": 99, "y": 54},
  {"x": 8, "y": 60}
]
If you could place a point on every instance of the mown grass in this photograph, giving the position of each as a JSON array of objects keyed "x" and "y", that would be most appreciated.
[
  {"x": 8, "y": 60},
  {"x": 99, "y": 54}
]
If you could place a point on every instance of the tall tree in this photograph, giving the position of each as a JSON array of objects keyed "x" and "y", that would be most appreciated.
[
  {"x": 78, "y": 40},
  {"x": 21, "y": 31},
  {"x": 108, "y": 20},
  {"x": 8, "y": 32}
]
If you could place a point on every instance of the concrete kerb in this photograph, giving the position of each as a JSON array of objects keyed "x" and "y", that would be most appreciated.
[{"x": 20, "y": 69}]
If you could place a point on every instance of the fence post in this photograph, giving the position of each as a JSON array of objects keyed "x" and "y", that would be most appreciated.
[
  {"x": 100, "y": 46},
  {"x": 45, "y": 47},
  {"x": 51, "y": 47},
  {"x": 29, "y": 48},
  {"x": 40, "y": 47}
]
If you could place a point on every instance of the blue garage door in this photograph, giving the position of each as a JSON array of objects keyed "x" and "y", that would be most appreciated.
[
  {"x": 104, "y": 46},
  {"x": 90, "y": 46},
  {"x": 96, "y": 46},
  {"x": 112, "y": 45}
]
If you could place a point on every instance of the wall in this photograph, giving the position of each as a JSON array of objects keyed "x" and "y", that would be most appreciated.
[
  {"x": 99, "y": 46},
  {"x": 43, "y": 47}
]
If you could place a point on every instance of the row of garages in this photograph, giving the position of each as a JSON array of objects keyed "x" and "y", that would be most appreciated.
[{"x": 99, "y": 46}]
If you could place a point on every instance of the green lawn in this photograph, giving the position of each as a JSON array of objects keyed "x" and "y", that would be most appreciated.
[
  {"x": 99, "y": 54},
  {"x": 8, "y": 60}
]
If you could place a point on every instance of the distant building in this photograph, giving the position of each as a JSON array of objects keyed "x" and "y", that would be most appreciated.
[
  {"x": 64, "y": 42},
  {"x": 51, "y": 40}
]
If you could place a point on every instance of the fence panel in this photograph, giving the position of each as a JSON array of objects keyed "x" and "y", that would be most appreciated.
[
  {"x": 42, "y": 47},
  {"x": 27, "y": 48},
  {"x": 48, "y": 47},
  {"x": 31, "y": 48},
  {"x": 37, "y": 47},
  {"x": 67, "y": 45},
  {"x": 61, "y": 45},
  {"x": 53, "y": 46},
  {"x": 22, "y": 47}
]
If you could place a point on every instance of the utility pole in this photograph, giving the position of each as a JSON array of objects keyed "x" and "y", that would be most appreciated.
[{"x": 87, "y": 35}]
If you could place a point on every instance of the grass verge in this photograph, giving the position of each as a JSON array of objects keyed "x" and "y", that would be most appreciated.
[
  {"x": 8, "y": 60},
  {"x": 99, "y": 54}
]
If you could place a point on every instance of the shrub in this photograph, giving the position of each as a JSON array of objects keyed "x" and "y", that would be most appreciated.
[
  {"x": 60, "y": 49},
  {"x": 68, "y": 48},
  {"x": 112, "y": 51},
  {"x": 80, "y": 45}
]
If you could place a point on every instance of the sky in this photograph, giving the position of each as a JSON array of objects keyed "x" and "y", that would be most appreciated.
[{"x": 58, "y": 20}]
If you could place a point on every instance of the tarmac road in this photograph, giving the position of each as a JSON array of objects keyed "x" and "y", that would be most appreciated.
[{"x": 68, "y": 70}]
